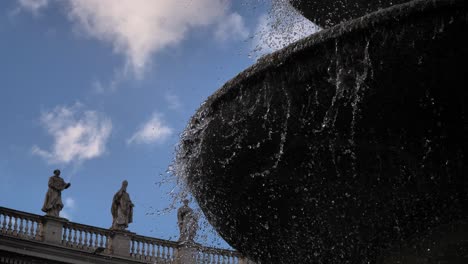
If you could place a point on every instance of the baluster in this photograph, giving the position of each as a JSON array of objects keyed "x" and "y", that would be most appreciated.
[
  {"x": 26, "y": 228},
  {"x": 91, "y": 241},
  {"x": 163, "y": 253},
  {"x": 168, "y": 253},
  {"x": 31, "y": 229},
  {"x": 85, "y": 240},
  {"x": 39, "y": 230},
  {"x": 80, "y": 238},
  {"x": 9, "y": 225},
  {"x": 15, "y": 226},
  {"x": 132, "y": 248},
  {"x": 96, "y": 240},
  {"x": 135, "y": 250},
  {"x": 75, "y": 238},
  {"x": 142, "y": 250},
  {"x": 101, "y": 241},
  {"x": 69, "y": 238},
  {"x": 158, "y": 253},
  {"x": 3, "y": 223},
  {"x": 64, "y": 237},
  {"x": 20, "y": 231},
  {"x": 138, "y": 249},
  {"x": 152, "y": 251},
  {"x": 146, "y": 249}
]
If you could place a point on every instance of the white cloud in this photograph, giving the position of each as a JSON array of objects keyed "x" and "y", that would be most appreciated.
[
  {"x": 232, "y": 28},
  {"x": 33, "y": 6},
  {"x": 78, "y": 134},
  {"x": 173, "y": 101},
  {"x": 138, "y": 29},
  {"x": 153, "y": 131},
  {"x": 280, "y": 28},
  {"x": 69, "y": 203},
  {"x": 69, "y": 207}
]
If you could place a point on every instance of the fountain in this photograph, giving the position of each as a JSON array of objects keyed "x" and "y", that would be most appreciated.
[
  {"x": 333, "y": 12},
  {"x": 348, "y": 146}
]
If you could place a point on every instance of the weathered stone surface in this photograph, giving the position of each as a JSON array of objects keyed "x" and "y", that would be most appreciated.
[
  {"x": 342, "y": 146},
  {"x": 333, "y": 12}
]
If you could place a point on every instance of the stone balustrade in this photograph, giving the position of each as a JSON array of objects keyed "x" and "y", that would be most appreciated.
[
  {"x": 19, "y": 224},
  {"x": 95, "y": 241},
  {"x": 84, "y": 237},
  {"x": 152, "y": 249},
  {"x": 218, "y": 256}
]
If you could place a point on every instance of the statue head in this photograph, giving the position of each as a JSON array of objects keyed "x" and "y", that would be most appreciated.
[
  {"x": 57, "y": 172},
  {"x": 125, "y": 184},
  {"x": 186, "y": 201}
]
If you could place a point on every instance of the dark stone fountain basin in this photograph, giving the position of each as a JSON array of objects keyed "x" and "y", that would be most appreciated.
[
  {"x": 345, "y": 147},
  {"x": 332, "y": 12}
]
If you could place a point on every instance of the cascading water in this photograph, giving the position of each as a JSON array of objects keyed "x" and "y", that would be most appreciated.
[{"x": 348, "y": 146}]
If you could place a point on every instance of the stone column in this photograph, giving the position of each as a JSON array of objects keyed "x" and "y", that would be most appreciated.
[
  {"x": 119, "y": 243},
  {"x": 187, "y": 253},
  {"x": 52, "y": 228}
]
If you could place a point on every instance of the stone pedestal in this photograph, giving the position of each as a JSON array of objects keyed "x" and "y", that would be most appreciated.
[
  {"x": 187, "y": 253},
  {"x": 119, "y": 243},
  {"x": 52, "y": 229}
]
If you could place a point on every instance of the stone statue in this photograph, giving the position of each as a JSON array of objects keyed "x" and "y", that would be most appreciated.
[
  {"x": 188, "y": 223},
  {"x": 53, "y": 200},
  {"x": 122, "y": 209}
]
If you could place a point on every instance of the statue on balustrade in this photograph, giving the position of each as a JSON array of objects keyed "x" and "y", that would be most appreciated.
[
  {"x": 122, "y": 209},
  {"x": 53, "y": 200},
  {"x": 188, "y": 223}
]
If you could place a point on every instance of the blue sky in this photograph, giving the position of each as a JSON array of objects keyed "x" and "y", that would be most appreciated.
[{"x": 102, "y": 89}]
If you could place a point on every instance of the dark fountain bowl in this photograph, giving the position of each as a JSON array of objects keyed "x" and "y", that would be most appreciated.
[
  {"x": 332, "y": 12},
  {"x": 349, "y": 146}
]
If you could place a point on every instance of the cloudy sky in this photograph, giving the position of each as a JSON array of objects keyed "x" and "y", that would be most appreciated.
[{"x": 102, "y": 89}]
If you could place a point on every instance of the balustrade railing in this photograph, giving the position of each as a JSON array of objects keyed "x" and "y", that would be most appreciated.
[
  {"x": 20, "y": 224},
  {"x": 97, "y": 240},
  {"x": 84, "y": 237},
  {"x": 208, "y": 255},
  {"x": 150, "y": 249}
]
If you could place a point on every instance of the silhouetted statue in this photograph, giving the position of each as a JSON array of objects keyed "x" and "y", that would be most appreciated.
[
  {"x": 53, "y": 200},
  {"x": 188, "y": 223},
  {"x": 122, "y": 209}
]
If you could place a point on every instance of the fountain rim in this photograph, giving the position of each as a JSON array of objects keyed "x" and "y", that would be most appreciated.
[{"x": 276, "y": 59}]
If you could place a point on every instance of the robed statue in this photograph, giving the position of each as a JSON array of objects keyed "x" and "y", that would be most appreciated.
[
  {"x": 187, "y": 222},
  {"x": 53, "y": 200},
  {"x": 122, "y": 209}
]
